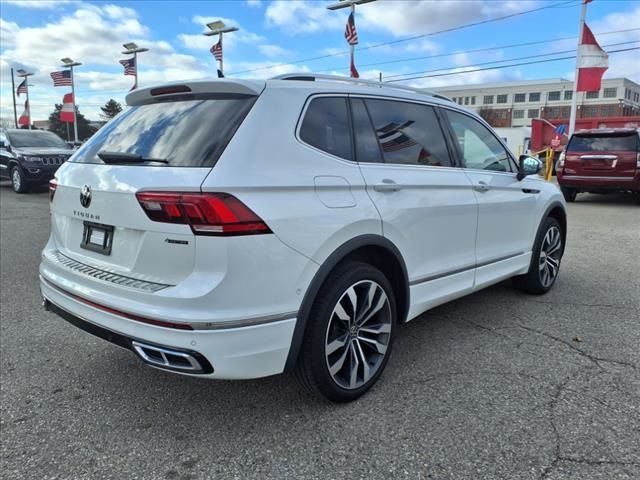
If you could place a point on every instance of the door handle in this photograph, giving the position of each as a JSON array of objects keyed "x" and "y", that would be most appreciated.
[
  {"x": 387, "y": 186},
  {"x": 481, "y": 187}
]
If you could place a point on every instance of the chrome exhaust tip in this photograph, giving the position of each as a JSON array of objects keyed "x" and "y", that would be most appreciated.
[{"x": 165, "y": 358}]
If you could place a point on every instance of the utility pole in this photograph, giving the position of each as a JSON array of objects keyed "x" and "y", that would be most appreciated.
[
  {"x": 68, "y": 63},
  {"x": 132, "y": 48},
  {"x": 218, "y": 28}
]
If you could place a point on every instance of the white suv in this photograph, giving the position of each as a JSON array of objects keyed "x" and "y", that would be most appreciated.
[{"x": 237, "y": 229}]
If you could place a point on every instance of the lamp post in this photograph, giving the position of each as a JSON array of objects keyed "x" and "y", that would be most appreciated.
[
  {"x": 351, "y": 4},
  {"x": 24, "y": 74},
  {"x": 68, "y": 63},
  {"x": 218, "y": 28},
  {"x": 132, "y": 48}
]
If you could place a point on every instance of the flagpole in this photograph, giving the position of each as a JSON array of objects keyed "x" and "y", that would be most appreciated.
[
  {"x": 13, "y": 90},
  {"x": 574, "y": 96},
  {"x": 221, "y": 56},
  {"x": 352, "y": 47}
]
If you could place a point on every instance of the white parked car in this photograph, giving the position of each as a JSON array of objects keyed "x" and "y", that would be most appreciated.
[{"x": 237, "y": 229}]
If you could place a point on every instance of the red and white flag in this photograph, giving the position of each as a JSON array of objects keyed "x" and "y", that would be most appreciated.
[
  {"x": 593, "y": 61},
  {"x": 216, "y": 49},
  {"x": 353, "y": 69},
  {"x": 24, "y": 118},
  {"x": 67, "y": 114}
]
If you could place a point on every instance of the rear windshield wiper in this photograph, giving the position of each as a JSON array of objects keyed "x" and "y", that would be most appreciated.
[{"x": 125, "y": 157}]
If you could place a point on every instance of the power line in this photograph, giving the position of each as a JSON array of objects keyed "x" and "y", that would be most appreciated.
[
  {"x": 503, "y": 66},
  {"x": 407, "y": 39},
  {"x": 506, "y": 60},
  {"x": 477, "y": 50}
]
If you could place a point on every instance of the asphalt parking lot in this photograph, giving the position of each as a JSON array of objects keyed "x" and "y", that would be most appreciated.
[{"x": 496, "y": 385}]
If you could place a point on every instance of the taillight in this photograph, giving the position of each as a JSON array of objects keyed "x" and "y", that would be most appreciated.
[
  {"x": 206, "y": 213},
  {"x": 561, "y": 160},
  {"x": 638, "y": 161},
  {"x": 53, "y": 184}
]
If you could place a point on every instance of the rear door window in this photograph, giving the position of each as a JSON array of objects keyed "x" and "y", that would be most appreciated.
[
  {"x": 408, "y": 133},
  {"x": 326, "y": 126},
  {"x": 626, "y": 142},
  {"x": 188, "y": 133}
]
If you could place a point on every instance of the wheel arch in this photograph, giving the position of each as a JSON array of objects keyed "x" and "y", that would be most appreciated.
[
  {"x": 373, "y": 249},
  {"x": 558, "y": 212}
]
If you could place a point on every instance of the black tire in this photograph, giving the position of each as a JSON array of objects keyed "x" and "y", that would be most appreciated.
[
  {"x": 18, "y": 181},
  {"x": 569, "y": 194},
  {"x": 534, "y": 281},
  {"x": 312, "y": 369}
]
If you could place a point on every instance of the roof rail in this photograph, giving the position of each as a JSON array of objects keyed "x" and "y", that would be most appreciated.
[{"x": 312, "y": 77}]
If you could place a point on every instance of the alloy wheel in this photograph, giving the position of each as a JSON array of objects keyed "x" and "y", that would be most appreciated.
[
  {"x": 16, "y": 179},
  {"x": 550, "y": 255},
  {"x": 358, "y": 334}
]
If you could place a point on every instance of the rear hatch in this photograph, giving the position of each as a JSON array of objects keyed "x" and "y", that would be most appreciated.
[
  {"x": 604, "y": 153},
  {"x": 167, "y": 141}
]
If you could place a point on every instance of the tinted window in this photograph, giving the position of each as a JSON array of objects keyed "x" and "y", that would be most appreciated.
[
  {"x": 34, "y": 138},
  {"x": 367, "y": 148},
  {"x": 603, "y": 143},
  {"x": 326, "y": 126},
  {"x": 479, "y": 148},
  {"x": 190, "y": 133},
  {"x": 408, "y": 133}
]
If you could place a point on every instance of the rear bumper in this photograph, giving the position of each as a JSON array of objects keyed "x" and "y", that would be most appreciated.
[
  {"x": 234, "y": 353},
  {"x": 588, "y": 182}
]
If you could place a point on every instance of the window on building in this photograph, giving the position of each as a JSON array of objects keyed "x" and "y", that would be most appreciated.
[
  {"x": 568, "y": 94},
  {"x": 534, "y": 97},
  {"x": 488, "y": 99},
  {"x": 473, "y": 100},
  {"x": 553, "y": 96},
  {"x": 553, "y": 112},
  {"x": 533, "y": 113},
  {"x": 460, "y": 100},
  {"x": 408, "y": 133},
  {"x": 565, "y": 112},
  {"x": 611, "y": 92},
  {"x": 627, "y": 94},
  {"x": 466, "y": 100},
  {"x": 479, "y": 149},
  {"x": 590, "y": 111},
  {"x": 326, "y": 126},
  {"x": 608, "y": 110},
  {"x": 502, "y": 99},
  {"x": 594, "y": 94},
  {"x": 520, "y": 97},
  {"x": 518, "y": 114}
]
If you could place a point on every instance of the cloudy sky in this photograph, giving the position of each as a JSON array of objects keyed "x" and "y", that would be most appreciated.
[{"x": 286, "y": 35}]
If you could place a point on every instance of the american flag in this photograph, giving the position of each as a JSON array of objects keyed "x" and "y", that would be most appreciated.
[
  {"x": 393, "y": 138},
  {"x": 216, "y": 50},
  {"x": 350, "y": 32},
  {"x": 22, "y": 88},
  {"x": 129, "y": 65},
  {"x": 61, "y": 78}
]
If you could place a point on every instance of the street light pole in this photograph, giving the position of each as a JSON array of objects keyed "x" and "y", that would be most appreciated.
[
  {"x": 351, "y": 4},
  {"x": 24, "y": 74},
  {"x": 132, "y": 48},
  {"x": 218, "y": 28},
  {"x": 68, "y": 63}
]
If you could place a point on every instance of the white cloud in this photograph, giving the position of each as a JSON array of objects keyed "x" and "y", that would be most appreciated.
[
  {"x": 273, "y": 51},
  {"x": 254, "y": 3},
  {"x": 40, "y": 4}
]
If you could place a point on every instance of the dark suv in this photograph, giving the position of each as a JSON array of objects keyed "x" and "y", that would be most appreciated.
[
  {"x": 600, "y": 161},
  {"x": 30, "y": 157}
]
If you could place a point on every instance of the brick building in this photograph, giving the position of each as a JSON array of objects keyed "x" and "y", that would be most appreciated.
[{"x": 515, "y": 104}]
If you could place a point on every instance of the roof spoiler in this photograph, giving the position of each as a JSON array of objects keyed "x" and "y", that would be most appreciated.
[{"x": 252, "y": 88}]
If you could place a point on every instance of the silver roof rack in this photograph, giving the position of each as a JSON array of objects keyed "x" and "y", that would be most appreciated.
[{"x": 312, "y": 77}]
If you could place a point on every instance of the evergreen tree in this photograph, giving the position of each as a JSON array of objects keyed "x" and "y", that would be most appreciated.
[
  {"x": 110, "y": 109},
  {"x": 60, "y": 128}
]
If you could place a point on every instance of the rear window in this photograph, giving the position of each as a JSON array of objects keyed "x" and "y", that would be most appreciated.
[
  {"x": 603, "y": 143},
  {"x": 189, "y": 133}
]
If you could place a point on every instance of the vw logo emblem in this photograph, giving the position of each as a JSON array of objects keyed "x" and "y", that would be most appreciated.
[{"x": 85, "y": 196}]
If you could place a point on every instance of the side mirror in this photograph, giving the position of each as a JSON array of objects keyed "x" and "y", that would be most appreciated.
[{"x": 528, "y": 166}]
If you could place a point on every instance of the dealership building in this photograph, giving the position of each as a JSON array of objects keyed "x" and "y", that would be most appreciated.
[{"x": 515, "y": 104}]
